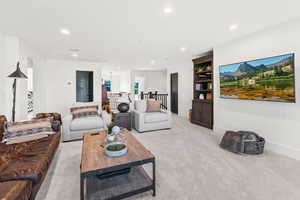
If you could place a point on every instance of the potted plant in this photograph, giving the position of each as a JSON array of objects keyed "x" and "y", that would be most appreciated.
[
  {"x": 110, "y": 134},
  {"x": 110, "y": 127}
]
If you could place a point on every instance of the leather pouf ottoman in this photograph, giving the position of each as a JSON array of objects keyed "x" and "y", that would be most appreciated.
[{"x": 244, "y": 142}]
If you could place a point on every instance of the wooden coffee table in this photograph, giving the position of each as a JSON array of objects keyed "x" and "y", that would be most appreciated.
[{"x": 95, "y": 163}]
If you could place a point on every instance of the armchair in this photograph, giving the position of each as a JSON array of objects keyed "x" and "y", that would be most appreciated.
[
  {"x": 73, "y": 129},
  {"x": 150, "y": 121}
]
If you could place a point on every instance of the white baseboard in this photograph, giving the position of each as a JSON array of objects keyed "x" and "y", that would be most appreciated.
[
  {"x": 274, "y": 147},
  {"x": 283, "y": 149}
]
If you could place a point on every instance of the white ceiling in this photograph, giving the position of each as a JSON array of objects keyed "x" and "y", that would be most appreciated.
[{"x": 131, "y": 33}]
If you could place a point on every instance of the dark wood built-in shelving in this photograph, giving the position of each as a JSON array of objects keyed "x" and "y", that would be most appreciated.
[
  {"x": 203, "y": 81},
  {"x": 202, "y": 110},
  {"x": 204, "y": 91},
  {"x": 204, "y": 72}
]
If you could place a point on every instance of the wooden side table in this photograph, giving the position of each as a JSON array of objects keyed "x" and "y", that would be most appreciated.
[{"x": 122, "y": 119}]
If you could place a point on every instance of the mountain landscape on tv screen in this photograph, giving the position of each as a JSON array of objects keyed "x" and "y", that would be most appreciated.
[{"x": 270, "y": 79}]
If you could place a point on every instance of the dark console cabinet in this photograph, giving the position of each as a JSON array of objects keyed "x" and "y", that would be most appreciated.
[{"x": 202, "y": 113}]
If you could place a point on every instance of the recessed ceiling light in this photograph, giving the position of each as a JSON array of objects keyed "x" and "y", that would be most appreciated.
[
  {"x": 168, "y": 10},
  {"x": 183, "y": 49},
  {"x": 65, "y": 31},
  {"x": 74, "y": 55},
  {"x": 233, "y": 27}
]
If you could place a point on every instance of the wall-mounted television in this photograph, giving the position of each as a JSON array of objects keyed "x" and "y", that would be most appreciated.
[{"x": 267, "y": 79}]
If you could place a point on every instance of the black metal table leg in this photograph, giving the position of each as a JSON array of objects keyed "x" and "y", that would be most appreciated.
[
  {"x": 81, "y": 187},
  {"x": 154, "y": 178}
]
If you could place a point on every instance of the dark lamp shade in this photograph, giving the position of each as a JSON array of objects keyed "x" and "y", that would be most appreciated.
[{"x": 17, "y": 73}]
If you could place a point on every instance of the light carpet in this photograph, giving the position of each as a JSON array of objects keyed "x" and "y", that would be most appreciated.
[{"x": 190, "y": 165}]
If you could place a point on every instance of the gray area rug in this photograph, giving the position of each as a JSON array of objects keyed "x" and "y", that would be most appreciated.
[{"x": 190, "y": 165}]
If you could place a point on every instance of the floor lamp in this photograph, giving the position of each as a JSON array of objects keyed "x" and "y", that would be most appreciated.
[{"x": 16, "y": 75}]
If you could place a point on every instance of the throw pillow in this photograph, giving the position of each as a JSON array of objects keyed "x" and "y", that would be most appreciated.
[
  {"x": 140, "y": 106},
  {"x": 27, "y": 129},
  {"x": 84, "y": 111},
  {"x": 153, "y": 106}
]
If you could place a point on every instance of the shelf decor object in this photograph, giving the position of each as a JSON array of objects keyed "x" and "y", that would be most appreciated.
[
  {"x": 18, "y": 74},
  {"x": 123, "y": 107},
  {"x": 202, "y": 109}
]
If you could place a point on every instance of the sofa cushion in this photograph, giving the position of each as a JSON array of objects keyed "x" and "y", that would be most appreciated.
[
  {"x": 140, "y": 105},
  {"x": 28, "y": 160},
  {"x": 156, "y": 117},
  {"x": 87, "y": 123}
]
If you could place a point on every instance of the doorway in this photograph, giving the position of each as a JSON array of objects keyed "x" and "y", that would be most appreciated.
[
  {"x": 174, "y": 93},
  {"x": 84, "y": 86}
]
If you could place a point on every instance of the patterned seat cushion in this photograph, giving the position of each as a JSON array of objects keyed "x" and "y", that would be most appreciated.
[
  {"x": 154, "y": 117},
  {"x": 87, "y": 123}
]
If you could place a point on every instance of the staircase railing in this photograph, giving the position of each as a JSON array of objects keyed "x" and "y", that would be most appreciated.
[{"x": 163, "y": 98}]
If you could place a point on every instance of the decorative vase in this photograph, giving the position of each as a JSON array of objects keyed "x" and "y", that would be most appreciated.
[
  {"x": 209, "y": 96},
  {"x": 115, "y": 130},
  {"x": 123, "y": 107},
  {"x": 110, "y": 137},
  {"x": 201, "y": 96}
]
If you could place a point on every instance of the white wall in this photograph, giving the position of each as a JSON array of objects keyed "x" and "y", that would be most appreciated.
[
  {"x": 279, "y": 123},
  {"x": 58, "y": 84},
  {"x": 10, "y": 54},
  {"x": 185, "y": 87},
  {"x": 153, "y": 80},
  {"x": 12, "y": 50},
  {"x": 11, "y": 57},
  {"x": 2, "y": 74},
  {"x": 26, "y": 54}
]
